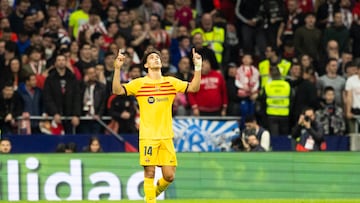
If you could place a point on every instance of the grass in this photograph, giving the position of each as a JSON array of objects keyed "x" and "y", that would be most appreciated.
[{"x": 222, "y": 201}]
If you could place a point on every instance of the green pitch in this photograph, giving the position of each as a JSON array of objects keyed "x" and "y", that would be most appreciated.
[{"x": 226, "y": 201}]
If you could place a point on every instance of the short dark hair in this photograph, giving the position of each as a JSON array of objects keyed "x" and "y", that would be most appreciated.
[
  {"x": 307, "y": 108},
  {"x": 95, "y": 36},
  {"x": 331, "y": 59},
  {"x": 350, "y": 64},
  {"x": 250, "y": 118},
  {"x": 328, "y": 88},
  {"x": 148, "y": 52},
  {"x": 133, "y": 66},
  {"x": 28, "y": 76}
]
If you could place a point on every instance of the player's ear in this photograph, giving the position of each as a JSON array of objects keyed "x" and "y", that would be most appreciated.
[{"x": 145, "y": 65}]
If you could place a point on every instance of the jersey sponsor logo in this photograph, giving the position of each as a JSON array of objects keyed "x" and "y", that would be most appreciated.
[{"x": 151, "y": 100}]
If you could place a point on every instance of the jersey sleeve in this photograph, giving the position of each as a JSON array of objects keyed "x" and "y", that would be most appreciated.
[
  {"x": 133, "y": 87},
  {"x": 179, "y": 85}
]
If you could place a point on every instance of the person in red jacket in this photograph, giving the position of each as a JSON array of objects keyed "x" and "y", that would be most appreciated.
[{"x": 211, "y": 99}]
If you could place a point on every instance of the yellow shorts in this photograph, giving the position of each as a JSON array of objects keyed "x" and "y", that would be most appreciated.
[{"x": 157, "y": 153}]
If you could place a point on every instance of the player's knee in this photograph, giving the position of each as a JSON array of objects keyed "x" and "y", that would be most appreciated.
[
  {"x": 169, "y": 177},
  {"x": 149, "y": 172}
]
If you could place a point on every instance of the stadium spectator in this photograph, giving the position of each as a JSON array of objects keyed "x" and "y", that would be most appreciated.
[
  {"x": 32, "y": 99},
  {"x": 352, "y": 107},
  {"x": 5, "y": 146},
  {"x": 346, "y": 58},
  {"x": 36, "y": 65},
  {"x": 167, "y": 68},
  {"x": 159, "y": 38},
  {"x": 247, "y": 82},
  {"x": 211, "y": 99},
  {"x": 11, "y": 107},
  {"x": 85, "y": 59},
  {"x": 94, "y": 146},
  {"x": 62, "y": 95},
  {"x": 333, "y": 80},
  {"x": 276, "y": 103},
  {"x": 78, "y": 18},
  {"x": 213, "y": 36},
  {"x": 12, "y": 73},
  {"x": 125, "y": 26},
  {"x": 149, "y": 7},
  {"x": 111, "y": 15},
  {"x": 293, "y": 19},
  {"x": 338, "y": 32},
  {"x": 350, "y": 69},
  {"x": 16, "y": 18},
  {"x": 197, "y": 42},
  {"x": 354, "y": 30},
  {"x": 123, "y": 111},
  {"x": 252, "y": 29},
  {"x": 251, "y": 143},
  {"x": 93, "y": 94},
  {"x": 308, "y": 132},
  {"x": 307, "y": 38},
  {"x": 330, "y": 116},
  {"x": 232, "y": 90},
  {"x": 272, "y": 59},
  {"x": 183, "y": 13}
]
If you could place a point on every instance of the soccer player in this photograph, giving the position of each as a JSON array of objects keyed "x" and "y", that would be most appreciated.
[{"x": 155, "y": 94}]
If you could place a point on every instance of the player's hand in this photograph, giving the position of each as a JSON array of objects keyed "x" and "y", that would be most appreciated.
[
  {"x": 197, "y": 59},
  {"x": 119, "y": 61}
]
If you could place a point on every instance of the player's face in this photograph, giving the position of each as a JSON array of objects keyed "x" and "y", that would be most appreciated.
[{"x": 153, "y": 61}]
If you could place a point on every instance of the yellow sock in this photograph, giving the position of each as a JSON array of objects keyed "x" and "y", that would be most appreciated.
[
  {"x": 162, "y": 185},
  {"x": 149, "y": 190}
]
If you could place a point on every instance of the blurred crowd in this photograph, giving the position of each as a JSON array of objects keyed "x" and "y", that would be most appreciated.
[{"x": 272, "y": 59}]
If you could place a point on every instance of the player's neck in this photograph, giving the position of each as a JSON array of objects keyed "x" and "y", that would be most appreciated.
[{"x": 154, "y": 73}]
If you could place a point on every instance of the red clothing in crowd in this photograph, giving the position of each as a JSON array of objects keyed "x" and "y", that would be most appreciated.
[
  {"x": 184, "y": 15},
  {"x": 212, "y": 95}
]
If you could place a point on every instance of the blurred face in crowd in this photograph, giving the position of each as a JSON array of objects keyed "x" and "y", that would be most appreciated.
[
  {"x": 32, "y": 81},
  {"x": 332, "y": 67},
  {"x": 35, "y": 56},
  {"x": 91, "y": 73},
  {"x": 53, "y": 23},
  {"x": 95, "y": 146},
  {"x": 23, "y": 7},
  {"x": 338, "y": 19},
  {"x": 329, "y": 96},
  {"x": 29, "y": 21},
  {"x": 207, "y": 22},
  {"x": 184, "y": 65},
  {"x": 250, "y": 125},
  {"x": 74, "y": 47},
  {"x": 112, "y": 12},
  {"x": 295, "y": 71},
  {"x": 183, "y": 31},
  {"x": 8, "y": 92},
  {"x": 4, "y": 5},
  {"x": 305, "y": 61},
  {"x": 350, "y": 71},
  {"x": 269, "y": 53},
  {"x": 124, "y": 17},
  {"x": 310, "y": 21},
  {"x": 85, "y": 51},
  {"x": 232, "y": 71},
  {"x": 136, "y": 30},
  {"x": 113, "y": 29},
  {"x": 197, "y": 40},
  {"x": 109, "y": 60},
  {"x": 4, "y": 23},
  {"x": 185, "y": 43},
  {"x": 170, "y": 10},
  {"x": 206, "y": 67},
  {"x": 292, "y": 6},
  {"x": 114, "y": 48},
  {"x": 5, "y": 146},
  {"x": 165, "y": 55},
  {"x": 154, "y": 22},
  {"x": 135, "y": 72},
  {"x": 15, "y": 65},
  {"x": 247, "y": 60},
  {"x": 86, "y": 5},
  {"x": 345, "y": 3},
  {"x": 52, "y": 11},
  {"x": 62, "y": 3},
  {"x": 60, "y": 62},
  {"x": 94, "y": 53}
]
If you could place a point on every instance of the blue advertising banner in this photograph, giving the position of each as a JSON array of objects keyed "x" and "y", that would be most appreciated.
[{"x": 198, "y": 135}]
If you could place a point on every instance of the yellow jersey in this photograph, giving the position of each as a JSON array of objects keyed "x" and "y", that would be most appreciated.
[{"x": 155, "y": 99}]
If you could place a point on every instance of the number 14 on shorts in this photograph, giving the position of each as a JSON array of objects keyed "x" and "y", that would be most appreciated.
[{"x": 148, "y": 150}]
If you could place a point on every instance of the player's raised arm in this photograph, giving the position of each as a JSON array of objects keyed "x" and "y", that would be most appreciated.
[
  {"x": 117, "y": 88},
  {"x": 194, "y": 85}
]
